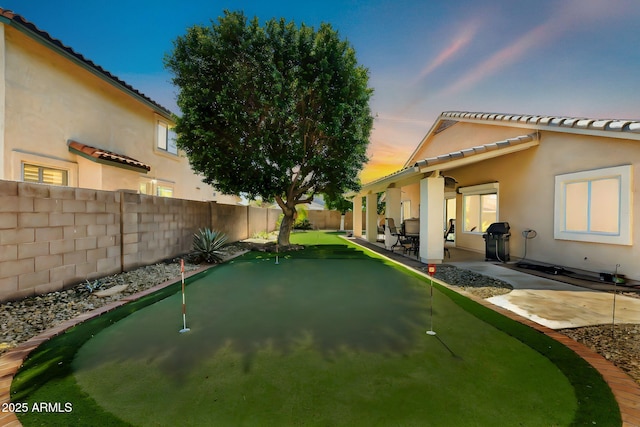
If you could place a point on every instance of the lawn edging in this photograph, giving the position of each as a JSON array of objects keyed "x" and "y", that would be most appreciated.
[{"x": 624, "y": 391}]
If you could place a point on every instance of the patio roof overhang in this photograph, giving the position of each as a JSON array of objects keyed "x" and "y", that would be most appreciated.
[{"x": 455, "y": 159}]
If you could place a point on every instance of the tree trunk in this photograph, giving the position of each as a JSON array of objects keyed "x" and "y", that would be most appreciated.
[{"x": 285, "y": 227}]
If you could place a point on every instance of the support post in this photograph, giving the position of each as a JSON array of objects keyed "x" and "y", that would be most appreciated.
[
  {"x": 392, "y": 210},
  {"x": 432, "y": 220},
  {"x": 372, "y": 217},
  {"x": 357, "y": 216}
]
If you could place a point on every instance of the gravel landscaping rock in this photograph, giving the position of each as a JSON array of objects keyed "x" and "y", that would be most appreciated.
[
  {"x": 473, "y": 283},
  {"x": 24, "y": 319}
]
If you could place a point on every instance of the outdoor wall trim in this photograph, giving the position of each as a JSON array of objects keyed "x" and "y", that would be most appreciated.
[
  {"x": 464, "y": 161},
  {"x": 408, "y": 174}
]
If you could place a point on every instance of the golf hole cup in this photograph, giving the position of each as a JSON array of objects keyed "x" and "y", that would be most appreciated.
[{"x": 432, "y": 270}]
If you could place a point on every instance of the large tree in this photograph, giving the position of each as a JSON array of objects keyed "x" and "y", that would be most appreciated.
[{"x": 278, "y": 111}]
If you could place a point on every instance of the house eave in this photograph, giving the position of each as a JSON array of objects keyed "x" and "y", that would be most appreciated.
[
  {"x": 463, "y": 161},
  {"x": 398, "y": 179},
  {"x": 608, "y": 128},
  {"x": 87, "y": 65}
]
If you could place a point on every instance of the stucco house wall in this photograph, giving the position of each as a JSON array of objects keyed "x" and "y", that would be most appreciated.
[
  {"x": 526, "y": 199},
  {"x": 52, "y": 96},
  {"x": 530, "y": 163},
  {"x": 458, "y": 137}
]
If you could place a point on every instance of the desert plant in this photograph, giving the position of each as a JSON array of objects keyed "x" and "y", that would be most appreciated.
[
  {"x": 92, "y": 286},
  {"x": 207, "y": 244}
]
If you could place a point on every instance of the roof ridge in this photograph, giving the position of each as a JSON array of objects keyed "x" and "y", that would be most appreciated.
[
  {"x": 582, "y": 123},
  {"x": 33, "y": 28}
]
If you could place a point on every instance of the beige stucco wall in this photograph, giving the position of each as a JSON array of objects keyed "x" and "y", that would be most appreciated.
[
  {"x": 464, "y": 135},
  {"x": 412, "y": 193},
  {"x": 526, "y": 199},
  {"x": 50, "y": 99}
]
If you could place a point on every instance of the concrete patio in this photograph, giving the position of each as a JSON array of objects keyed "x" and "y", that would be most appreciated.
[{"x": 548, "y": 302}]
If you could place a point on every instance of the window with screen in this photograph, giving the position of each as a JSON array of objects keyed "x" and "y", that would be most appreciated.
[
  {"x": 594, "y": 206},
  {"x": 44, "y": 175}
]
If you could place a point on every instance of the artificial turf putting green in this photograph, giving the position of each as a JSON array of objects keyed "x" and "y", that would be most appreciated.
[{"x": 335, "y": 341}]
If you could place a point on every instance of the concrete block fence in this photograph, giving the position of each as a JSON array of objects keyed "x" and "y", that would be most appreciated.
[{"x": 52, "y": 238}]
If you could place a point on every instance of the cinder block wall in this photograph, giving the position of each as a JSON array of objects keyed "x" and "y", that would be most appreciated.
[
  {"x": 156, "y": 228},
  {"x": 324, "y": 220},
  {"x": 54, "y": 237},
  {"x": 231, "y": 220}
]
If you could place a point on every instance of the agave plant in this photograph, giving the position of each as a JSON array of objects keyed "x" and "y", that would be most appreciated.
[{"x": 206, "y": 245}]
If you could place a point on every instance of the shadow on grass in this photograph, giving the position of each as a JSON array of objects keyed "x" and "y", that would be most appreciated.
[{"x": 346, "y": 302}]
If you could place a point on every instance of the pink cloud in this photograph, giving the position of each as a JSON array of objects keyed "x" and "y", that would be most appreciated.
[
  {"x": 560, "y": 21},
  {"x": 464, "y": 37}
]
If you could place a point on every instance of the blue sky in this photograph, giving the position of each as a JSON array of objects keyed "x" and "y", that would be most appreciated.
[{"x": 549, "y": 57}]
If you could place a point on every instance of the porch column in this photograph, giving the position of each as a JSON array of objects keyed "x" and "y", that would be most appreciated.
[
  {"x": 392, "y": 210},
  {"x": 357, "y": 216},
  {"x": 432, "y": 219},
  {"x": 372, "y": 217}
]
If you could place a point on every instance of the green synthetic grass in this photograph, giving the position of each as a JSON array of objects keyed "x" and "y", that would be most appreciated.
[{"x": 340, "y": 341}]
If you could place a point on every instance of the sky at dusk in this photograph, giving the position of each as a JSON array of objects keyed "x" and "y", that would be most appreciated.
[{"x": 578, "y": 58}]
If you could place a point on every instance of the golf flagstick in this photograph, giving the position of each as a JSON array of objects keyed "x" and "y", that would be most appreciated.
[
  {"x": 432, "y": 270},
  {"x": 184, "y": 304}
]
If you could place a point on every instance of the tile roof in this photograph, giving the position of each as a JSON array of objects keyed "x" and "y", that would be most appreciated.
[
  {"x": 469, "y": 152},
  {"x": 31, "y": 28},
  {"x": 612, "y": 125},
  {"x": 107, "y": 157},
  {"x": 452, "y": 159}
]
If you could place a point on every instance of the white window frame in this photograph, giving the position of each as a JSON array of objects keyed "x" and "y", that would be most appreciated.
[
  {"x": 482, "y": 189},
  {"x": 165, "y": 138},
  {"x": 19, "y": 157},
  {"x": 624, "y": 174}
]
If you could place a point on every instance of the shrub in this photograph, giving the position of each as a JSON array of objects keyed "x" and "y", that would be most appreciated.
[
  {"x": 207, "y": 244},
  {"x": 302, "y": 225}
]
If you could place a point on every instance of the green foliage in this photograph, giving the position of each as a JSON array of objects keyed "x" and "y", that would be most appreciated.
[
  {"x": 207, "y": 244},
  {"x": 338, "y": 203},
  {"x": 302, "y": 214},
  {"x": 278, "y": 111},
  {"x": 303, "y": 225},
  {"x": 302, "y": 219},
  {"x": 381, "y": 205}
]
